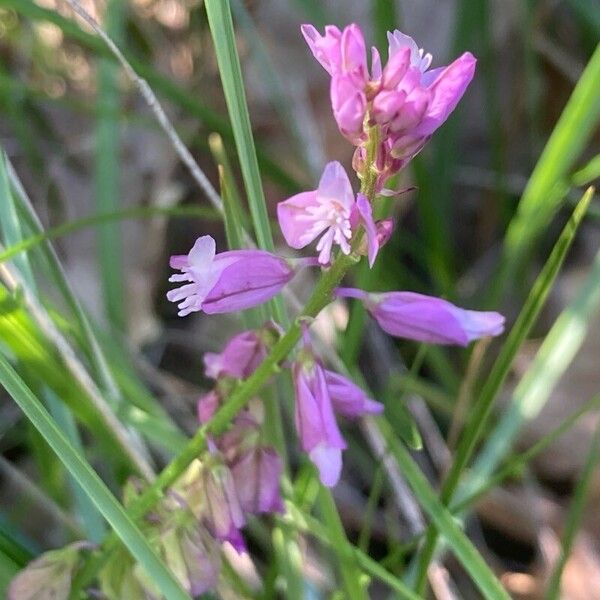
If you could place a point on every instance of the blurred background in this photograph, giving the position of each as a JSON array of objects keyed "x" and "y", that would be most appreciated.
[{"x": 83, "y": 143}]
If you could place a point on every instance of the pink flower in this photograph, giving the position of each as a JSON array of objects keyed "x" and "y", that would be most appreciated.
[
  {"x": 228, "y": 281},
  {"x": 329, "y": 211},
  {"x": 224, "y": 516},
  {"x": 349, "y": 105},
  {"x": 343, "y": 55},
  {"x": 242, "y": 353},
  {"x": 425, "y": 318},
  {"x": 257, "y": 474},
  {"x": 347, "y": 398},
  {"x": 315, "y": 422},
  {"x": 412, "y": 101},
  {"x": 340, "y": 53},
  {"x": 208, "y": 405},
  {"x": 255, "y": 469},
  {"x": 50, "y": 575},
  {"x": 405, "y": 98}
]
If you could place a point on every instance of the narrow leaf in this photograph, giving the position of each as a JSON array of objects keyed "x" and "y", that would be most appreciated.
[{"x": 89, "y": 481}]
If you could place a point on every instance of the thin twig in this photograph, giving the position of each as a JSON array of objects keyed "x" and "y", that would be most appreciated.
[
  {"x": 155, "y": 106},
  {"x": 402, "y": 493},
  {"x": 430, "y": 432}
]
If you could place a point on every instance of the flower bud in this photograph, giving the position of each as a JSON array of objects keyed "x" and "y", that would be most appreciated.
[{"x": 49, "y": 576}]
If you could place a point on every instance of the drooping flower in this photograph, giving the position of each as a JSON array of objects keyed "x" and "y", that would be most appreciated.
[
  {"x": 207, "y": 406},
  {"x": 426, "y": 318},
  {"x": 242, "y": 353},
  {"x": 228, "y": 281},
  {"x": 331, "y": 212},
  {"x": 49, "y": 576},
  {"x": 320, "y": 393},
  {"x": 317, "y": 429},
  {"x": 224, "y": 515},
  {"x": 255, "y": 469},
  {"x": 191, "y": 555},
  {"x": 190, "y": 552},
  {"x": 257, "y": 474},
  {"x": 348, "y": 399},
  {"x": 385, "y": 228}
]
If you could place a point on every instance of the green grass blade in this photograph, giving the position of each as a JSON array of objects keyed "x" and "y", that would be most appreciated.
[
  {"x": 355, "y": 590},
  {"x": 482, "y": 408},
  {"x": 146, "y": 212},
  {"x": 385, "y": 18},
  {"x": 89, "y": 481},
  {"x": 518, "y": 462},
  {"x": 56, "y": 272},
  {"x": 221, "y": 26},
  {"x": 107, "y": 174},
  {"x": 234, "y": 214},
  {"x": 554, "y": 356},
  {"x": 461, "y": 546},
  {"x": 575, "y": 515},
  {"x": 89, "y": 517},
  {"x": 543, "y": 194},
  {"x": 13, "y": 234},
  {"x": 588, "y": 173},
  {"x": 9, "y": 223}
]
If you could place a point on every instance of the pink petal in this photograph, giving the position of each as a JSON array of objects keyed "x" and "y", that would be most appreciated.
[
  {"x": 348, "y": 399},
  {"x": 353, "y": 53},
  {"x": 335, "y": 185},
  {"x": 432, "y": 320},
  {"x": 387, "y": 104},
  {"x": 294, "y": 219},
  {"x": 250, "y": 278},
  {"x": 329, "y": 462},
  {"x": 349, "y": 105},
  {"x": 375, "y": 64},
  {"x": 325, "y": 48},
  {"x": 396, "y": 68},
  {"x": 448, "y": 89}
]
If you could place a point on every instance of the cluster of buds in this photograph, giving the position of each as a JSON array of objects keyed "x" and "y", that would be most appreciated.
[
  {"x": 179, "y": 539},
  {"x": 406, "y": 100}
]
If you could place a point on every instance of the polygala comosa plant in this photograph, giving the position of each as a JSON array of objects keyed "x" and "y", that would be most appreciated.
[{"x": 388, "y": 113}]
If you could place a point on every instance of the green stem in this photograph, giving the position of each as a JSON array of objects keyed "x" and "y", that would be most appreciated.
[{"x": 347, "y": 559}]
